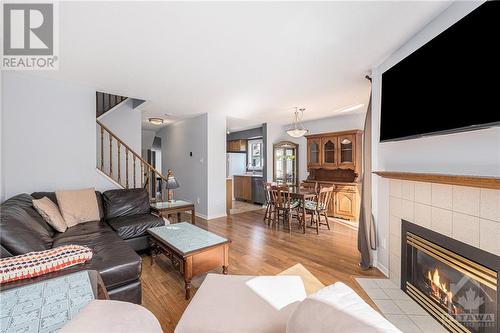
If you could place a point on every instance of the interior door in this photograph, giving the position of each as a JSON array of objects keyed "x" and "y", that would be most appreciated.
[{"x": 329, "y": 152}]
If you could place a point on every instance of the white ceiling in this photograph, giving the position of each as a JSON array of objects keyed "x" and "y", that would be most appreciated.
[{"x": 252, "y": 60}]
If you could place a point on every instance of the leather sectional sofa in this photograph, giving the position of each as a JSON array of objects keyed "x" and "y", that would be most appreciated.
[{"x": 114, "y": 240}]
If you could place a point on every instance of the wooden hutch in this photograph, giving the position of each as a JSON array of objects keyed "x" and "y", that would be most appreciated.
[{"x": 335, "y": 158}]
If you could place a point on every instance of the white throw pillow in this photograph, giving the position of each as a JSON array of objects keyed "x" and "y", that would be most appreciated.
[{"x": 337, "y": 308}]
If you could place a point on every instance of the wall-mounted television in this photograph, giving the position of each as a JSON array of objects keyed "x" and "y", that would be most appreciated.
[{"x": 450, "y": 84}]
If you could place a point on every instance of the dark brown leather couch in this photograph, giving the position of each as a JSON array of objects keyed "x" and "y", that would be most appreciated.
[{"x": 114, "y": 240}]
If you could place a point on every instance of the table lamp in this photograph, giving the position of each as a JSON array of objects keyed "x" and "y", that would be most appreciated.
[{"x": 171, "y": 184}]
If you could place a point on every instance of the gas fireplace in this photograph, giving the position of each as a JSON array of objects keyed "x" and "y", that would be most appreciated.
[{"x": 455, "y": 282}]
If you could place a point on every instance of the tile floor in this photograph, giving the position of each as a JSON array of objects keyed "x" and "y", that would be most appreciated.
[
  {"x": 241, "y": 207},
  {"x": 399, "y": 308}
]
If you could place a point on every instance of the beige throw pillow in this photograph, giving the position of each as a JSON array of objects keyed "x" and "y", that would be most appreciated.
[
  {"x": 50, "y": 213},
  {"x": 78, "y": 206}
]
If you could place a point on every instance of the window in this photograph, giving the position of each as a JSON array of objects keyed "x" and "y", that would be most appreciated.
[{"x": 255, "y": 158}]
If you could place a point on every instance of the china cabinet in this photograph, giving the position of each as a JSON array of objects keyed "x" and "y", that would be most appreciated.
[
  {"x": 335, "y": 158},
  {"x": 285, "y": 163}
]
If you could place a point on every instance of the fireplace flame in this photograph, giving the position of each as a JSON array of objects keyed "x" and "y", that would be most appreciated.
[
  {"x": 439, "y": 289},
  {"x": 435, "y": 279}
]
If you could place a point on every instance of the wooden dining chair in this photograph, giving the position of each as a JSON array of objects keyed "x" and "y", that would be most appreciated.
[
  {"x": 319, "y": 207},
  {"x": 283, "y": 205},
  {"x": 310, "y": 186},
  {"x": 269, "y": 204}
]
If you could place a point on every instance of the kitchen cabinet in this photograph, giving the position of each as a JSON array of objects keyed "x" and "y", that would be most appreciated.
[
  {"x": 236, "y": 146},
  {"x": 243, "y": 188},
  {"x": 249, "y": 188}
]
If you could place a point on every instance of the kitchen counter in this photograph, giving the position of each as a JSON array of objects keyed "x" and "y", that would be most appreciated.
[{"x": 248, "y": 187}]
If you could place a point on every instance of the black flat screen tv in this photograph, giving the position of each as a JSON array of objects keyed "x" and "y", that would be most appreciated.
[{"x": 450, "y": 84}]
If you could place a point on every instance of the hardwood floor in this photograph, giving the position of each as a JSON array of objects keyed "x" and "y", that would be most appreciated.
[{"x": 257, "y": 249}]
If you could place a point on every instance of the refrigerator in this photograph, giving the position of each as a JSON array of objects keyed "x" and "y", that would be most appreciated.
[{"x": 235, "y": 165}]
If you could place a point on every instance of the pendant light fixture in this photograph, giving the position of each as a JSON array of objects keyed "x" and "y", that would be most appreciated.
[{"x": 297, "y": 130}]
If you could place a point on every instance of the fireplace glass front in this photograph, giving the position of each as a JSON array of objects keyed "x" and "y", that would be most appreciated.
[{"x": 460, "y": 293}]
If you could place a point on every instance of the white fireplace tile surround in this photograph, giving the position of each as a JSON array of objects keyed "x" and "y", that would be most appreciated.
[
  {"x": 402, "y": 311},
  {"x": 466, "y": 200},
  {"x": 489, "y": 205},
  {"x": 468, "y": 214}
]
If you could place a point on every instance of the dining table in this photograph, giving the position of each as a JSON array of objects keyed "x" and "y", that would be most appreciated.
[{"x": 302, "y": 194}]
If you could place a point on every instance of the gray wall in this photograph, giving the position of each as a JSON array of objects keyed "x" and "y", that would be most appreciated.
[
  {"x": 48, "y": 136},
  {"x": 147, "y": 138},
  {"x": 246, "y": 134},
  {"x": 178, "y": 140}
]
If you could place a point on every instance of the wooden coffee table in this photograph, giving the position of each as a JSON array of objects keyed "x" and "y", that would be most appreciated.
[{"x": 192, "y": 250}]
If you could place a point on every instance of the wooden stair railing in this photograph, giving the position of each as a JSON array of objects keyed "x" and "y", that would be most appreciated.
[{"x": 147, "y": 171}]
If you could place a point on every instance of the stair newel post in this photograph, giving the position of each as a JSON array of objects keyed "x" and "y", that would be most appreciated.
[
  {"x": 161, "y": 189},
  {"x": 148, "y": 181},
  {"x": 153, "y": 181},
  {"x": 134, "y": 171},
  {"x": 142, "y": 174},
  {"x": 102, "y": 148},
  {"x": 110, "y": 156},
  {"x": 119, "y": 162},
  {"x": 126, "y": 165}
]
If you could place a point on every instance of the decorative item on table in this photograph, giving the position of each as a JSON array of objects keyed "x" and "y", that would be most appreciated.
[
  {"x": 297, "y": 130},
  {"x": 171, "y": 184}
]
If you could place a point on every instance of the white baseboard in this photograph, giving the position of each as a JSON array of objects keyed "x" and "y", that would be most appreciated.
[
  {"x": 211, "y": 217},
  {"x": 383, "y": 269}
]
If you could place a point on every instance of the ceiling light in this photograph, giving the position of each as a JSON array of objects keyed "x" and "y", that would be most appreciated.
[
  {"x": 156, "y": 121},
  {"x": 350, "y": 108},
  {"x": 297, "y": 130}
]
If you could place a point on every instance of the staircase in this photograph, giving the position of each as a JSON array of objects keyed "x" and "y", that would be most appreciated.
[
  {"x": 105, "y": 102},
  {"x": 121, "y": 164}
]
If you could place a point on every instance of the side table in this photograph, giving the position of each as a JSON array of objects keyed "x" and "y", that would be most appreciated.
[{"x": 166, "y": 208}]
